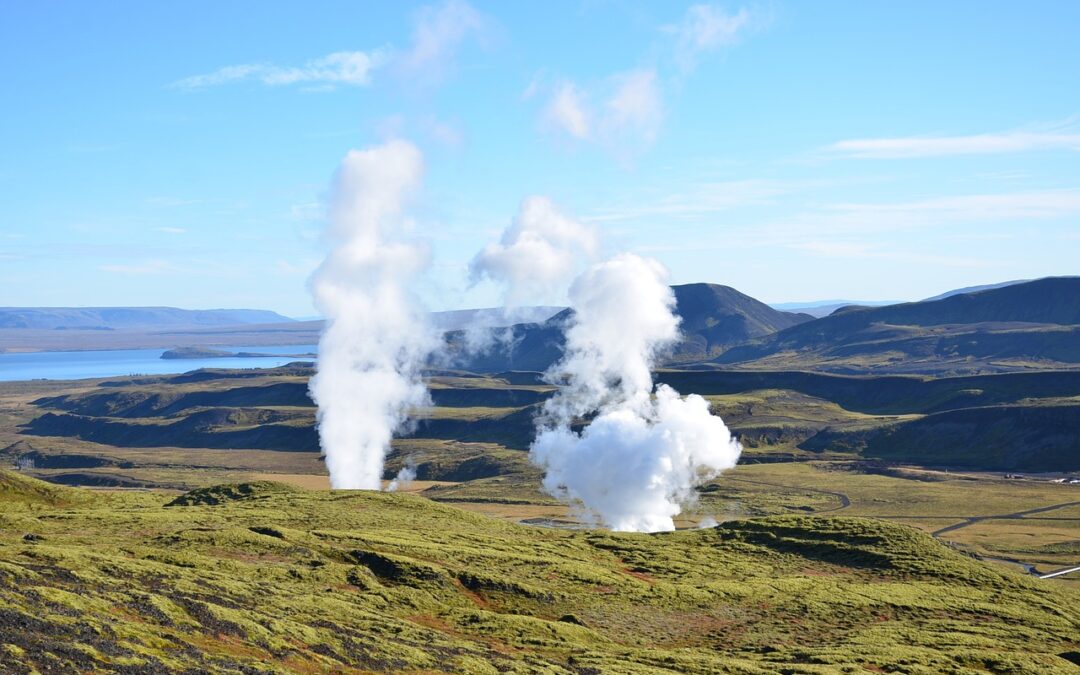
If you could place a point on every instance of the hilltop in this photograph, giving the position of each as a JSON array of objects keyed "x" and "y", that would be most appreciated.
[
  {"x": 714, "y": 317},
  {"x": 975, "y": 289}
]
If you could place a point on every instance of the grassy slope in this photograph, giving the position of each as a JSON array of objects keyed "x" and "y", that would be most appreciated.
[
  {"x": 779, "y": 417},
  {"x": 273, "y": 579}
]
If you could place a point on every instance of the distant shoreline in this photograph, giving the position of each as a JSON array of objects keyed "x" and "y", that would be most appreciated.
[{"x": 209, "y": 353}]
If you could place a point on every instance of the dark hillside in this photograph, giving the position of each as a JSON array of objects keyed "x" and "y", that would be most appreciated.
[
  {"x": 890, "y": 395},
  {"x": 715, "y": 317},
  {"x": 1035, "y": 320},
  {"x": 1029, "y": 438},
  {"x": 1049, "y": 300}
]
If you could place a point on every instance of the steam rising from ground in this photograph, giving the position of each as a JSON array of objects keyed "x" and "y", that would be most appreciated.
[
  {"x": 632, "y": 467},
  {"x": 534, "y": 260},
  {"x": 538, "y": 254},
  {"x": 377, "y": 338},
  {"x": 637, "y": 462}
]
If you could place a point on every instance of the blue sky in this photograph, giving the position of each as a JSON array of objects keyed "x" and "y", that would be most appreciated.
[{"x": 180, "y": 153}]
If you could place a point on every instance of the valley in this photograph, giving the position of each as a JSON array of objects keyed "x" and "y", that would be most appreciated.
[
  {"x": 886, "y": 512},
  {"x": 813, "y": 444}
]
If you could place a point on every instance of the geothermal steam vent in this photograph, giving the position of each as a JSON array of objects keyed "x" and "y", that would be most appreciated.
[
  {"x": 377, "y": 338},
  {"x": 637, "y": 462},
  {"x": 644, "y": 450}
]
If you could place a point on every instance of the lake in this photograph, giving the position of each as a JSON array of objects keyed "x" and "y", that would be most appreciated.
[{"x": 124, "y": 362}]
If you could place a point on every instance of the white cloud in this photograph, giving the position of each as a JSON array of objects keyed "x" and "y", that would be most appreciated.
[
  {"x": 630, "y": 105},
  {"x": 705, "y": 28},
  {"x": 566, "y": 111},
  {"x": 533, "y": 88},
  {"x": 171, "y": 230},
  {"x": 345, "y": 68},
  {"x": 635, "y": 109},
  {"x": 909, "y": 147},
  {"x": 438, "y": 32},
  {"x": 628, "y": 118}
]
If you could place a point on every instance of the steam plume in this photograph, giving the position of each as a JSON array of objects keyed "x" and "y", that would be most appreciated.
[
  {"x": 634, "y": 465},
  {"x": 376, "y": 338},
  {"x": 538, "y": 254}
]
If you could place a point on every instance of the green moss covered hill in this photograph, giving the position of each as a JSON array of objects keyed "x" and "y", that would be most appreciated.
[{"x": 262, "y": 577}]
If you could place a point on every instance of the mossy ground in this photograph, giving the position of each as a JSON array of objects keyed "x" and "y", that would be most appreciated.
[{"x": 268, "y": 578}]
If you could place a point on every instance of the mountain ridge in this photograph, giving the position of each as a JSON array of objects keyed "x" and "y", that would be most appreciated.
[
  {"x": 1036, "y": 318},
  {"x": 129, "y": 318},
  {"x": 713, "y": 317}
]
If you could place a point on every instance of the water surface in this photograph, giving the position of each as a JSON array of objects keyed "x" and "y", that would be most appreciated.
[{"x": 125, "y": 362}]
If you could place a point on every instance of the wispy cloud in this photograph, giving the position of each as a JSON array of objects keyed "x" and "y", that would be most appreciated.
[
  {"x": 706, "y": 28},
  {"x": 147, "y": 267},
  {"x": 338, "y": 68},
  {"x": 307, "y": 211},
  {"x": 624, "y": 112},
  {"x": 867, "y": 251},
  {"x": 438, "y": 33},
  {"x": 566, "y": 111},
  {"x": 301, "y": 268},
  {"x": 842, "y": 229},
  {"x": 445, "y": 133},
  {"x": 832, "y": 228},
  {"x": 1004, "y": 206},
  {"x": 171, "y": 230},
  {"x": 627, "y": 118},
  {"x": 912, "y": 147},
  {"x": 635, "y": 108}
]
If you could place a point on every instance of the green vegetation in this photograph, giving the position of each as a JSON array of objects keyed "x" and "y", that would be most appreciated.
[
  {"x": 1012, "y": 421},
  {"x": 266, "y": 578},
  {"x": 808, "y": 437},
  {"x": 848, "y": 542}
]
